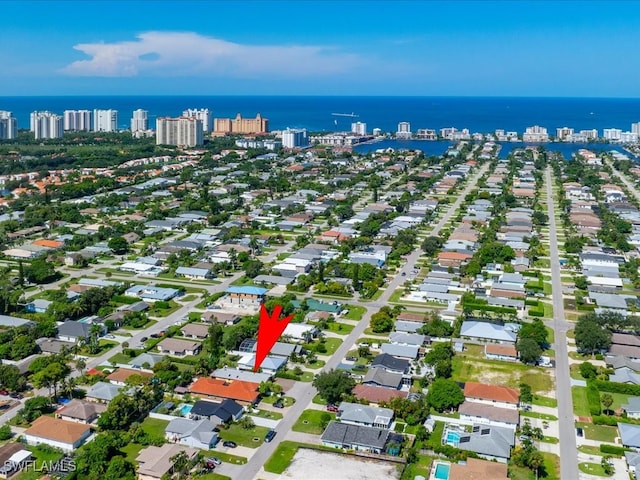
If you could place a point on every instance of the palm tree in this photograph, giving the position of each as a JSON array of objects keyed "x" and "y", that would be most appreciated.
[{"x": 80, "y": 365}]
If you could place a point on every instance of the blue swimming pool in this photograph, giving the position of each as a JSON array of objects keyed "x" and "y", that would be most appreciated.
[
  {"x": 453, "y": 438},
  {"x": 442, "y": 471},
  {"x": 185, "y": 409}
]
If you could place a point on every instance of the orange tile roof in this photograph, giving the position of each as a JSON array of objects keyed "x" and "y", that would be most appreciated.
[
  {"x": 454, "y": 256},
  {"x": 233, "y": 389},
  {"x": 48, "y": 243},
  {"x": 56, "y": 429},
  {"x": 496, "y": 393}
]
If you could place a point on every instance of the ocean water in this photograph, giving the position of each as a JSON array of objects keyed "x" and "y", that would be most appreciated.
[{"x": 478, "y": 114}]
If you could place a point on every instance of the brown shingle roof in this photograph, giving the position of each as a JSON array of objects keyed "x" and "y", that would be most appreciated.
[
  {"x": 122, "y": 374},
  {"x": 505, "y": 350},
  {"x": 377, "y": 394},
  {"x": 496, "y": 393},
  {"x": 476, "y": 469},
  {"x": 475, "y": 409}
]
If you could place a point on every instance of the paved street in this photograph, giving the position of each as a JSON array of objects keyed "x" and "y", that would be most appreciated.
[
  {"x": 569, "y": 453},
  {"x": 304, "y": 392}
]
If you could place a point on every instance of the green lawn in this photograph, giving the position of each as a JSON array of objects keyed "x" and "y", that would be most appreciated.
[
  {"x": 600, "y": 433},
  {"x": 541, "y": 416},
  {"x": 40, "y": 455},
  {"x": 227, "y": 457},
  {"x": 120, "y": 358},
  {"x": 355, "y": 312},
  {"x": 311, "y": 421},
  {"x": 267, "y": 414},
  {"x": 154, "y": 426},
  {"x": 496, "y": 372},
  {"x": 332, "y": 345},
  {"x": 340, "y": 328},
  {"x": 318, "y": 400},
  {"x": 104, "y": 345},
  {"x": 545, "y": 401},
  {"x": 288, "y": 401},
  {"x": 212, "y": 476},
  {"x": 619, "y": 399},
  {"x": 592, "y": 469},
  {"x": 551, "y": 470},
  {"x": 131, "y": 451},
  {"x": 252, "y": 438},
  {"x": 580, "y": 402},
  {"x": 281, "y": 458}
]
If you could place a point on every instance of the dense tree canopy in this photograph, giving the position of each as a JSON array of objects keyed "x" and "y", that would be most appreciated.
[
  {"x": 444, "y": 394},
  {"x": 333, "y": 385}
]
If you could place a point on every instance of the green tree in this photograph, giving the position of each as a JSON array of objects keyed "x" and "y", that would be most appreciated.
[
  {"x": 11, "y": 378},
  {"x": 526, "y": 395},
  {"x": 607, "y": 401},
  {"x": 333, "y": 385},
  {"x": 118, "y": 245},
  {"x": 536, "y": 331},
  {"x": 444, "y": 394},
  {"x": 431, "y": 245},
  {"x": 5, "y": 432},
  {"x": 588, "y": 370},
  {"x": 528, "y": 350},
  {"x": 40, "y": 271},
  {"x": 382, "y": 321},
  {"x": 590, "y": 336}
]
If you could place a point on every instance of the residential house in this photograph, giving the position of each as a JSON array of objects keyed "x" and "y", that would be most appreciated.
[
  {"x": 156, "y": 462},
  {"x": 194, "y": 273},
  {"x": 357, "y": 414},
  {"x": 179, "y": 348},
  {"x": 120, "y": 376},
  {"x": 270, "y": 365},
  {"x": 146, "y": 360},
  {"x": 12, "y": 457},
  {"x": 477, "y": 469},
  {"x": 506, "y": 353},
  {"x": 488, "y": 442},
  {"x": 474, "y": 413},
  {"x": 355, "y": 437},
  {"x": 488, "y": 331},
  {"x": 409, "y": 352},
  {"x": 496, "y": 395},
  {"x": 378, "y": 377},
  {"x": 80, "y": 411},
  {"x": 38, "y": 305},
  {"x": 226, "y": 318},
  {"x": 376, "y": 395},
  {"x": 227, "y": 373},
  {"x": 152, "y": 293},
  {"x": 629, "y": 435},
  {"x": 390, "y": 364},
  {"x": 632, "y": 407},
  {"x": 56, "y": 433},
  {"x": 245, "y": 393},
  {"x": 102, "y": 392},
  {"x": 633, "y": 462},
  {"x": 73, "y": 332},
  {"x": 218, "y": 413},
  {"x": 197, "y": 331},
  {"x": 246, "y": 295},
  {"x": 191, "y": 433}
]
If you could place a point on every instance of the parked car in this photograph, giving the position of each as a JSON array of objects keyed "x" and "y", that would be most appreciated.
[
  {"x": 154, "y": 335},
  {"x": 269, "y": 436},
  {"x": 143, "y": 339},
  {"x": 4, "y": 392},
  {"x": 229, "y": 443},
  {"x": 332, "y": 408},
  {"x": 214, "y": 460},
  {"x": 580, "y": 432},
  {"x": 16, "y": 395},
  {"x": 110, "y": 336},
  {"x": 351, "y": 359},
  {"x": 279, "y": 404}
]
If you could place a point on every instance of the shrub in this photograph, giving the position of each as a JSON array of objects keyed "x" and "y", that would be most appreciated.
[
  {"x": 612, "y": 387},
  {"x": 613, "y": 450},
  {"x": 593, "y": 397}
]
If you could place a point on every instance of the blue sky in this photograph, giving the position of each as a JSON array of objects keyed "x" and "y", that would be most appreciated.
[{"x": 329, "y": 47}]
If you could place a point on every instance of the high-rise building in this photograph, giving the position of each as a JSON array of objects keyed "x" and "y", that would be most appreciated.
[
  {"x": 105, "y": 120},
  {"x": 564, "y": 133},
  {"x": 635, "y": 128},
  {"x": 47, "y": 125},
  {"x": 78, "y": 120},
  {"x": 535, "y": 134},
  {"x": 359, "y": 128},
  {"x": 204, "y": 115},
  {"x": 222, "y": 126},
  {"x": 295, "y": 138},
  {"x": 404, "y": 130},
  {"x": 612, "y": 134},
  {"x": 183, "y": 131},
  {"x": 139, "y": 121},
  {"x": 8, "y": 125}
]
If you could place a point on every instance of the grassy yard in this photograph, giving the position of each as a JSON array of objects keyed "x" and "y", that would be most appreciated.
[
  {"x": 252, "y": 438},
  {"x": 355, "y": 312},
  {"x": 154, "y": 426},
  {"x": 580, "y": 402},
  {"x": 267, "y": 414},
  {"x": 340, "y": 328},
  {"x": 311, "y": 421},
  {"x": 592, "y": 469},
  {"x": 332, "y": 345},
  {"x": 318, "y": 400},
  {"x": 541, "y": 416},
  {"x": 288, "y": 401},
  {"x": 550, "y": 470},
  {"x": 281, "y": 458},
  {"x": 600, "y": 433},
  {"x": 227, "y": 457},
  {"x": 40, "y": 455},
  {"x": 496, "y": 372},
  {"x": 619, "y": 399},
  {"x": 131, "y": 451},
  {"x": 104, "y": 345},
  {"x": 120, "y": 358},
  {"x": 212, "y": 476},
  {"x": 545, "y": 401}
]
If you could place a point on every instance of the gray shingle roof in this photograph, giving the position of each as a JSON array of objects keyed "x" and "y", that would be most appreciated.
[{"x": 355, "y": 435}]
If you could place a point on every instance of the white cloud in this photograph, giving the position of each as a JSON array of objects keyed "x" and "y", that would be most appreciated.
[{"x": 192, "y": 54}]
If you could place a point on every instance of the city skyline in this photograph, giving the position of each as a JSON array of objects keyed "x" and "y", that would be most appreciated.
[{"x": 377, "y": 48}]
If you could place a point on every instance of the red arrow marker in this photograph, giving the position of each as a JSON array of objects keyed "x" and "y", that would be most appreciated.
[{"x": 269, "y": 330}]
